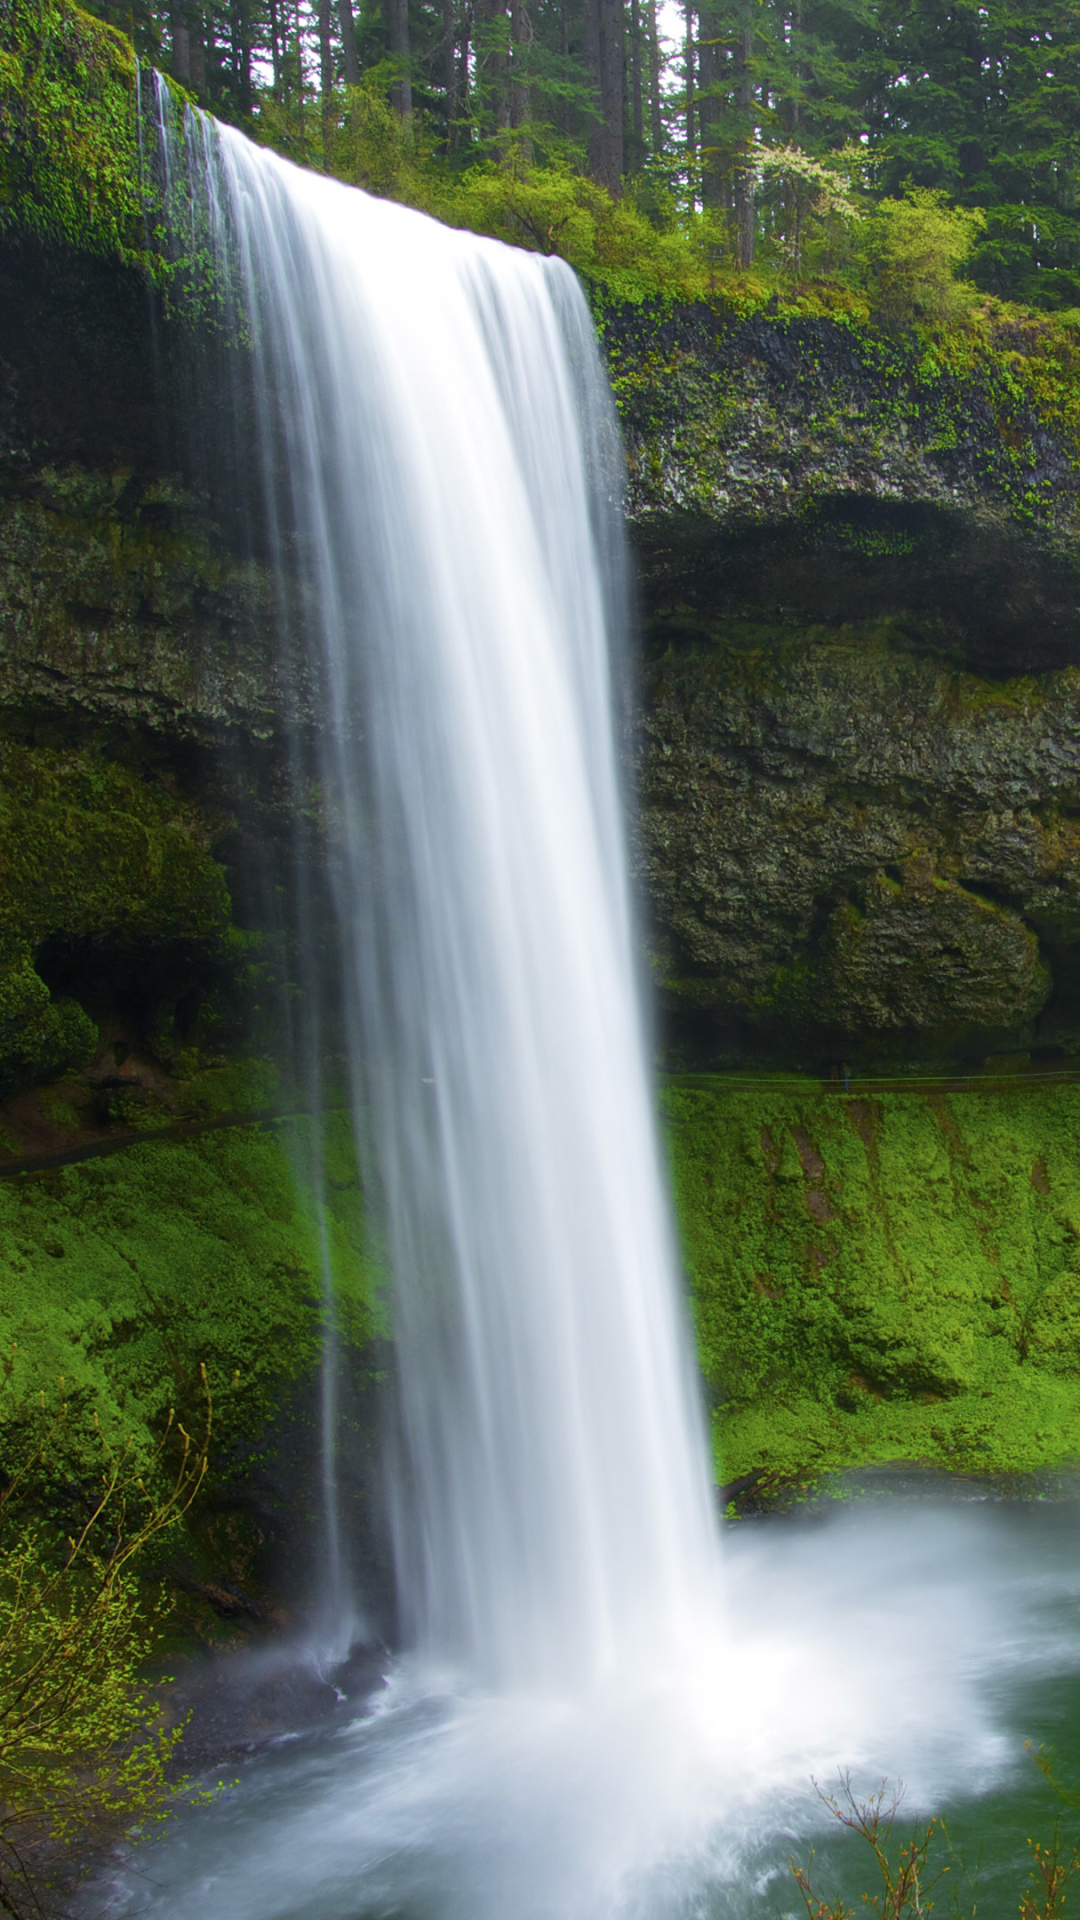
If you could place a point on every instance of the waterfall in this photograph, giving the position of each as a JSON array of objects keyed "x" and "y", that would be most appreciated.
[
  {"x": 577, "y": 1729},
  {"x": 440, "y": 456}
]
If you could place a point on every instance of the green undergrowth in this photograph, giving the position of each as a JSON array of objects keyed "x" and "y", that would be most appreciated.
[
  {"x": 123, "y": 1276},
  {"x": 886, "y": 1277}
]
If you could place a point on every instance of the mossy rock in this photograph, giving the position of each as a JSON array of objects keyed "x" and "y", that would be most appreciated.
[
  {"x": 39, "y": 1037},
  {"x": 882, "y": 1276},
  {"x": 123, "y": 1276},
  {"x": 103, "y": 873},
  {"x": 851, "y": 845},
  {"x": 69, "y": 152}
]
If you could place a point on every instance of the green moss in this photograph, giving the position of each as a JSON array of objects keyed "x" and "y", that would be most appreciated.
[
  {"x": 761, "y": 413},
  {"x": 106, "y": 865},
  {"x": 39, "y": 1037},
  {"x": 69, "y": 158},
  {"x": 91, "y": 850},
  {"x": 882, "y": 1278},
  {"x": 122, "y": 1276}
]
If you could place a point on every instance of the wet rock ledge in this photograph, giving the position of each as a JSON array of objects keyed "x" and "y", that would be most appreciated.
[{"x": 859, "y": 753}]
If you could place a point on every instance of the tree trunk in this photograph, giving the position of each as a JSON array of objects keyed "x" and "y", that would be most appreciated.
[
  {"x": 492, "y": 64},
  {"x": 711, "y": 60},
  {"x": 464, "y": 70},
  {"x": 197, "y": 48},
  {"x": 743, "y": 183},
  {"x": 564, "y": 49},
  {"x": 592, "y": 75},
  {"x": 613, "y": 52},
  {"x": 275, "y": 44},
  {"x": 181, "y": 43},
  {"x": 604, "y": 56},
  {"x": 521, "y": 35},
  {"x": 656, "y": 117},
  {"x": 348, "y": 42},
  {"x": 637, "y": 108},
  {"x": 397, "y": 45},
  {"x": 326, "y": 77},
  {"x": 688, "y": 61},
  {"x": 450, "y": 73},
  {"x": 240, "y": 53}
]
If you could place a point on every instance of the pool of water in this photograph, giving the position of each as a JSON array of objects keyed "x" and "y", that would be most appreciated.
[{"x": 920, "y": 1639}]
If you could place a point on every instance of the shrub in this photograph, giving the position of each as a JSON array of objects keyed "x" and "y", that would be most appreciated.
[
  {"x": 911, "y": 252},
  {"x": 84, "y": 1742}
]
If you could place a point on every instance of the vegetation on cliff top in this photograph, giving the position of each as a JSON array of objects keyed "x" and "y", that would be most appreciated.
[
  {"x": 743, "y": 122},
  {"x": 883, "y": 272},
  {"x": 75, "y": 166}
]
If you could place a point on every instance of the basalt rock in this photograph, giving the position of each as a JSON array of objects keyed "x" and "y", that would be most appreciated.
[
  {"x": 859, "y": 768},
  {"x": 859, "y": 751}
]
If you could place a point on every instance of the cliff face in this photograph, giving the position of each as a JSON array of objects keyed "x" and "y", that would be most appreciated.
[
  {"x": 859, "y": 756},
  {"x": 860, "y": 573},
  {"x": 859, "y": 764},
  {"x": 887, "y": 1276}
]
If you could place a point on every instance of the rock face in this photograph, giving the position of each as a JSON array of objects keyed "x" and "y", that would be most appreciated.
[
  {"x": 127, "y": 594},
  {"x": 859, "y": 752},
  {"x": 848, "y": 841},
  {"x": 860, "y": 756}
]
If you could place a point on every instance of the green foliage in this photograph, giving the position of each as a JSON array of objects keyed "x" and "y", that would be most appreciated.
[
  {"x": 90, "y": 849},
  {"x": 883, "y": 1277},
  {"x": 610, "y": 243},
  {"x": 818, "y": 200},
  {"x": 907, "y": 1879},
  {"x": 39, "y": 1037},
  {"x": 912, "y": 250},
  {"x": 372, "y": 147},
  {"x": 84, "y": 1741},
  {"x": 910, "y": 1868}
]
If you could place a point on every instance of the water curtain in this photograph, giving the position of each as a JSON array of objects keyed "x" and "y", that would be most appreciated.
[{"x": 437, "y": 458}]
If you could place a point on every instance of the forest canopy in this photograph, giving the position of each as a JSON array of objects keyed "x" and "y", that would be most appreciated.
[{"x": 764, "y": 125}]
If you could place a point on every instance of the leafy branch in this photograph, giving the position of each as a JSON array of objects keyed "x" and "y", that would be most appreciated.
[{"x": 84, "y": 1741}]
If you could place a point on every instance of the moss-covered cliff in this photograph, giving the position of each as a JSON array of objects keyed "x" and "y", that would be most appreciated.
[
  {"x": 885, "y": 1275},
  {"x": 860, "y": 837}
]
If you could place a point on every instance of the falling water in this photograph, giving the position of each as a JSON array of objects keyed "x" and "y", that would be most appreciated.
[
  {"x": 579, "y": 1728},
  {"x": 436, "y": 433}
]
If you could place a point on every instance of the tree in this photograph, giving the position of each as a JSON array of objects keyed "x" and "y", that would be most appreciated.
[{"x": 84, "y": 1742}]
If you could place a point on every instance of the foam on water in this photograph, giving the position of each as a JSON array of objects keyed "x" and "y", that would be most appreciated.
[{"x": 891, "y": 1641}]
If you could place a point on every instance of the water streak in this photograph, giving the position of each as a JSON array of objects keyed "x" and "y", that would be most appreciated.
[{"x": 441, "y": 465}]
